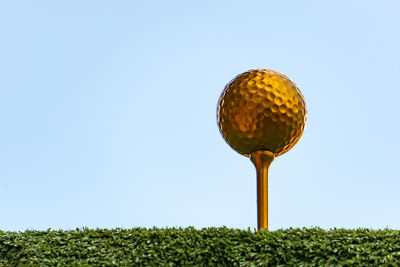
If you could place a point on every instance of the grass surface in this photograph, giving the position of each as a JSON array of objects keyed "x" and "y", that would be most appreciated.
[{"x": 211, "y": 246}]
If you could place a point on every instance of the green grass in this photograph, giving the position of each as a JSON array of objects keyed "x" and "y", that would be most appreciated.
[{"x": 211, "y": 246}]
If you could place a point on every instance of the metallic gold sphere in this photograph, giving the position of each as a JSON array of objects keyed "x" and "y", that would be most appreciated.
[{"x": 261, "y": 110}]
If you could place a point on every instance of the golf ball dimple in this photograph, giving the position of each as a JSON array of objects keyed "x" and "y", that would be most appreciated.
[{"x": 261, "y": 110}]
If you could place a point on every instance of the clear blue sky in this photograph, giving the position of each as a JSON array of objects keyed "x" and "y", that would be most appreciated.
[{"x": 108, "y": 113}]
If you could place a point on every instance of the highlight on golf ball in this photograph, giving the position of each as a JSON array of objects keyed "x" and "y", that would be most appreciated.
[{"x": 261, "y": 110}]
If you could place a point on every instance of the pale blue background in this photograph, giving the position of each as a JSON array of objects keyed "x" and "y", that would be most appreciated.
[{"x": 107, "y": 113}]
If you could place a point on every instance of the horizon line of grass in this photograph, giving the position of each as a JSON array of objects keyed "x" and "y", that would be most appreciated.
[{"x": 207, "y": 246}]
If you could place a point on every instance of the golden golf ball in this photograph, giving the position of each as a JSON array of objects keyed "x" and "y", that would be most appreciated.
[{"x": 261, "y": 110}]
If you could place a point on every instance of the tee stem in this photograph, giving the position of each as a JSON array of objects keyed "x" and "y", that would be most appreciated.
[{"x": 262, "y": 159}]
